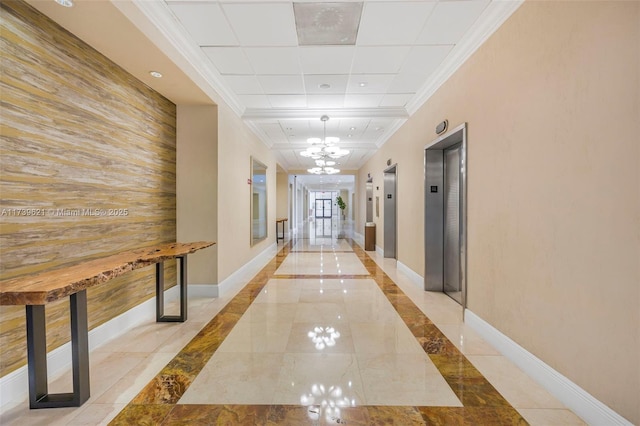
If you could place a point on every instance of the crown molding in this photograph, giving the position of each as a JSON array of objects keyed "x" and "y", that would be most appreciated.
[
  {"x": 491, "y": 19},
  {"x": 275, "y": 114},
  {"x": 343, "y": 144},
  {"x": 257, "y": 130},
  {"x": 390, "y": 131}
]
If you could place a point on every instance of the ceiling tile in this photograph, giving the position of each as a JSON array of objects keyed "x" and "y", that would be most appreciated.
[
  {"x": 244, "y": 84},
  {"x": 229, "y": 60},
  {"x": 326, "y": 60},
  {"x": 298, "y": 129},
  {"x": 425, "y": 59},
  {"x": 396, "y": 100},
  {"x": 205, "y": 22},
  {"x": 407, "y": 83},
  {"x": 274, "y": 131},
  {"x": 325, "y": 101},
  {"x": 288, "y": 101},
  {"x": 353, "y": 125},
  {"x": 369, "y": 83},
  {"x": 392, "y": 23},
  {"x": 362, "y": 101},
  {"x": 449, "y": 21},
  {"x": 337, "y": 83},
  {"x": 262, "y": 24},
  {"x": 379, "y": 60},
  {"x": 282, "y": 84},
  {"x": 254, "y": 101},
  {"x": 274, "y": 60}
]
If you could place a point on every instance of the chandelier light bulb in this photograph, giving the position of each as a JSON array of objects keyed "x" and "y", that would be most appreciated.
[{"x": 322, "y": 150}]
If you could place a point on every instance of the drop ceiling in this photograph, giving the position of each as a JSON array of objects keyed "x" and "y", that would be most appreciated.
[{"x": 280, "y": 65}]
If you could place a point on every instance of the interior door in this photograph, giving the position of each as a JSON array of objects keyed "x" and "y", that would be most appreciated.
[
  {"x": 323, "y": 208},
  {"x": 327, "y": 208}
]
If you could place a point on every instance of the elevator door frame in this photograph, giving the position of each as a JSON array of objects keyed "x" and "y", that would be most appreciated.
[{"x": 434, "y": 210}]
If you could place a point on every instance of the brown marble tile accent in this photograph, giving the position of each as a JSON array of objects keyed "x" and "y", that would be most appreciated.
[
  {"x": 463, "y": 416},
  {"x": 321, "y": 251},
  {"x": 394, "y": 415},
  {"x": 469, "y": 385},
  {"x": 320, "y": 276},
  {"x": 292, "y": 415},
  {"x": 143, "y": 415},
  {"x": 196, "y": 415}
]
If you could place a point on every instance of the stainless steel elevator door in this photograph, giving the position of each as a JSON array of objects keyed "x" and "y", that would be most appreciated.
[
  {"x": 452, "y": 285},
  {"x": 390, "y": 211}
]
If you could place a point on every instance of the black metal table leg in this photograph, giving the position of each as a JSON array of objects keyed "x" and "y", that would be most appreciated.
[
  {"x": 39, "y": 396},
  {"x": 160, "y": 316}
]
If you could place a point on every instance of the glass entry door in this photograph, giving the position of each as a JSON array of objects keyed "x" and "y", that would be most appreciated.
[{"x": 323, "y": 208}]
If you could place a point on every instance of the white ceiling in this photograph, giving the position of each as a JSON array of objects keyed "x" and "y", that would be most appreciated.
[{"x": 248, "y": 54}]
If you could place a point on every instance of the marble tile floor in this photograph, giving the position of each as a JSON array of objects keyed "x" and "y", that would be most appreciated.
[{"x": 359, "y": 344}]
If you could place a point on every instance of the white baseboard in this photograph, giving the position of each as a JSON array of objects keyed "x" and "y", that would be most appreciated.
[
  {"x": 571, "y": 395},
  {"x": 203, "y": 290},
  {"x": 14, "y": 387},
  {"x": 254, "y": 264},
  {"x": 380, "y": 250},
  {"x": 415, "y": 277},
  {"x": 358, "y": 238}
]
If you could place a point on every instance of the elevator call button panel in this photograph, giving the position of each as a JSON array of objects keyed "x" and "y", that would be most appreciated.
[{"x": 434, "y": 188}]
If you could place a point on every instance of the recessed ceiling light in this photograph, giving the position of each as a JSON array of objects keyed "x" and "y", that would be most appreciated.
[
  {"x": 65, "y": 3},
  {"x": 352, "y": 128},
  {"x": 349, "y": 136},
  {"x": 155, "y": 74},
  {"x": 362, "y": 84},
  {"x": 324, "y": 86}
]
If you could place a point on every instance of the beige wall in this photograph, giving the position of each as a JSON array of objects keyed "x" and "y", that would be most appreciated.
[
  {"x": 551, "y": 102},
  {"x": 197, "y": 186},
  {"x": 236, "y": 145},
  {"x": 282, "y": 196}
]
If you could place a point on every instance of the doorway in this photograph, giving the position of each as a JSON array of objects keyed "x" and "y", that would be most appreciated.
[
  {"x": 445, "y": 215},
  {"x": 323, "y": 208},
  {"x": 390, "y": 211}
]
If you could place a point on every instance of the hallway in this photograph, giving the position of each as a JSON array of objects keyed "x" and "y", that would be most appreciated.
[{"x": 325, "y": 333}]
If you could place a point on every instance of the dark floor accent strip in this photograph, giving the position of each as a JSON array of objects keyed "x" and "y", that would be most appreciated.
[{"x": 320, "y": 276}]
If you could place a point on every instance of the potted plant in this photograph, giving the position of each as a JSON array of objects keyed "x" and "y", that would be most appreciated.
[{"x": 341, "y": 204}]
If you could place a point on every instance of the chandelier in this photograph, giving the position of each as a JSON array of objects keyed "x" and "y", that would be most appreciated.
[{"x": 324, "y": 151}]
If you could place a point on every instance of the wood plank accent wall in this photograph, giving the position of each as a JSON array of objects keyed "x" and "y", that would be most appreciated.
[{"x": 79, "y": 136}]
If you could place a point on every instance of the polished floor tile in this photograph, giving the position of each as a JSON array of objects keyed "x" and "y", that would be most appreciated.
[
  {"x": 308, "y": 379},
  {"x": 327, "y": 264},
  {"x": 236, "y": 378},
  {"x": 392, "y": 378}
]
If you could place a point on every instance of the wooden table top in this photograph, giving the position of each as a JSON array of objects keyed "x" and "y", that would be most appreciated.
[
  {"x": 284, "y": 219},
  {"x": 45, "y": 287}
]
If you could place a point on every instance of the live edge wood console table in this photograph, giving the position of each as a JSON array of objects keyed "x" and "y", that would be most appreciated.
[{"x": 35, "y": 291}]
